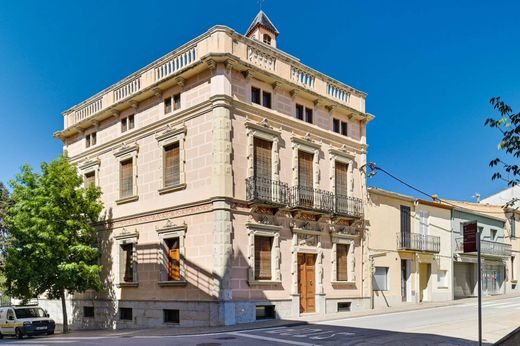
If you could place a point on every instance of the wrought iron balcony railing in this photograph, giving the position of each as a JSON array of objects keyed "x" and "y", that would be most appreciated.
[
  {"x": 418, "y": 242},
  {"x": 312, "y": 199},
  {"x": 348, "y": 206},
  {"x": 268, "y": 191},
  {"x": 487, "y": 247}
]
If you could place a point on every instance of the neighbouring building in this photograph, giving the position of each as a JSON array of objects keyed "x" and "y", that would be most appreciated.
[
  {"x": 409, "y": 244},
  {"x": 232, "y": 187},
  {"x": 495, "y": 250}
]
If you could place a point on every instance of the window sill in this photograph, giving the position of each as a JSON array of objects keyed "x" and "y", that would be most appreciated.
[
  {"x": 443, "y": 287},
  {"x": 128, "y": 284},
  {"x": 172, "y": 283},
  {"x": 264, "y": 282},
  {"x": 173, "y": 188},
  {"x": 127, "y": 200},
  {"x": 343, "y": 283}
]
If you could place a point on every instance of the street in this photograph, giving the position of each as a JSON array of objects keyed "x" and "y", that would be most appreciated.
[{"x": 448, "y": 325}]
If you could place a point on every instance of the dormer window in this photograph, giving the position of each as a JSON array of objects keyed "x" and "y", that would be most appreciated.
[{"x": 267, "y": 39}]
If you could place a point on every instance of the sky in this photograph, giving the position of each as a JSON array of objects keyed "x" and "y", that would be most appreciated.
[{"x": 429, "y": 69}]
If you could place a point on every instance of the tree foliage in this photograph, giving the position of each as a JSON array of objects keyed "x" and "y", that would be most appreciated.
[
  {"x": 508, "y": 123},
  {"x": 52, "y": 243}
]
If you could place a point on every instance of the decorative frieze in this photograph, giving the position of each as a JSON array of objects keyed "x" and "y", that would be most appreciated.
[{"x": 261, "y": 59}]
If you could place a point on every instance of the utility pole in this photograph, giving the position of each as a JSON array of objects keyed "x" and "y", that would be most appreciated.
[{"x": 479, "y": 269}]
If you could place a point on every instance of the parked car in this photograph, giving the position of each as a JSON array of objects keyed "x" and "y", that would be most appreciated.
[{"x": 23, "y": 321}]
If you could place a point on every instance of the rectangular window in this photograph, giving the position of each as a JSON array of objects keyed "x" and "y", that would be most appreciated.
[
  {"x": 131, "y": 123},
  {"x": 171, "y": 165},
  {"x": 266, "y": 99},
  {"x": 493, "y": 235},
  {"x": 305, "y": 169},
  {"x": 176, "y": 102},
  {"x": 264, "y": 312},
  {"x": 442, "y": 278},
  {"x": 344, "y": 128},
  {"x": 173, "y": 256},
  {"x": 344, "y": 306},
  {"x": 308, "y": 115},
  {"x": 126, "y": 262},
  {"x": 124, "y": 124},
  {"x": 90, "y": 139},
  {"x": 342, "y": 261},
  {"x": 255, "y": 95},
  {"x": 125, "y": 314},
  {"x": 336, "y": 125},
  {"x": 423, "y": 222},
  {"x": 126, "y": 179},
  {"x": 380, "y": 279},
  {"x": 167, "y": 105},
  {"x": 513, "y": 226},
  {"x": 405, "y": 219},
  {"x": 263, "y": 246},
  {"x": 299, "y": 112},
  {"x": 262, "y": 158},
  {"x": 89, "y": 179},
  {"x": 88, "y": 311},
  {"x": 341, "y": 175},
  {"x": 171, "y": 316},
  {"x": 513, "y": 269},
  {"x": 127, "y": 123},
  {"x": 87, "y": 141}
]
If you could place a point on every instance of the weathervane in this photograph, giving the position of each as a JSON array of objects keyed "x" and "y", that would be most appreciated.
[{"x": 260, "y": 2}]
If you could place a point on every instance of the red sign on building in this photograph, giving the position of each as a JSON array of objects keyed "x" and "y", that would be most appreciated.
[{"x": 470, "y": 236}]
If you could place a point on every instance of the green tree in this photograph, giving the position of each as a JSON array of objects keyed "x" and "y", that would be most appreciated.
[
  {"x": 52, "y": 241},
  {"x": 508, "y": 123},
  {"x": 5, "y": 202}
]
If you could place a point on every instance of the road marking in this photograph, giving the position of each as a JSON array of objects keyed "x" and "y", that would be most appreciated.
[
  {"x": 265, "y": 338},
  {"x": 508, "y": 306}
]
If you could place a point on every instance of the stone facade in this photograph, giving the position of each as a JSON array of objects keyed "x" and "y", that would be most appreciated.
[{"x": 211, "y": 208}]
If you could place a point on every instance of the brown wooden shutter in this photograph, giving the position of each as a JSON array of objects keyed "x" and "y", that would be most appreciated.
[
  {"x": 341, "y": 178},
  {"x": 171, "y": 164},
  {"x": 126, "y": 262},
  {"x": 342, "y": 261},
  {"x": 174, "y": 259},
  {"x": 263, "y": 247},
  {"x": 305, "y": 169},
  {"x": 262, "y": 155},
  {"x": 127, "y": 178}
]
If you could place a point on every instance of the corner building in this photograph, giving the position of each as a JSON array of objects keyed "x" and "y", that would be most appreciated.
[{"x": 232, "y": 187}]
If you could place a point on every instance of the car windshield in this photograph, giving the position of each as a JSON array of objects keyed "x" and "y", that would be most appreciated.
[{"x": 29, "y": 312}]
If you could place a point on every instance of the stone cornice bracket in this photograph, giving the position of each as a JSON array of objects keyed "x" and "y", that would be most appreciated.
[
  {"x": 318, "y": 102},
  {"x": 96, "y": 124},
  {"x": 212, "y": 65},
  {"x": 80, "y": 130},
  {"x": 157, "y": 92},
  {"x": 276, "y": 86},
  {"x": 115, "y": 114},
  {"x": 331, "y": 109},
  {"x": 134, "y": 104},
  {"x": 293, "y": 94},
  {"x": 229, "y": 65},
  {"x": 248, "y": 74},
  {"x": 350, "y": 116},
  {"x": 180, "y": 81}
]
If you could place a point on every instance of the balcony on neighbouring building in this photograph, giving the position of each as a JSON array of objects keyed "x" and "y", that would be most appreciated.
[
  {"x": 260, "y": 190},
  {"x": 418, "y": 242},
  {"x": 487, "y": 247},
  {"x": 311, "y": 199},
  {"x": 348, "y": 206}
]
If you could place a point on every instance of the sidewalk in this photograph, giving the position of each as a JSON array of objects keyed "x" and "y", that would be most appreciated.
[{"x": 169, "y": 331}]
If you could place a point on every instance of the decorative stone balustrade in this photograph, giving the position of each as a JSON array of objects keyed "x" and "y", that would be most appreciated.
[{"x": 220, "y": 42}]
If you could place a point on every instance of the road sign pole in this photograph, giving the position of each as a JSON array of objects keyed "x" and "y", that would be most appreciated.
[{"x": 479, "y": 269}]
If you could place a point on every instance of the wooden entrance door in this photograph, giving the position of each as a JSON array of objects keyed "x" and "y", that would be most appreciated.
[{"x": 306, "y": 282}]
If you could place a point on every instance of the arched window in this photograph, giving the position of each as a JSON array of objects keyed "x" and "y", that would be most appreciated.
[{"x": 267, "y": 39}]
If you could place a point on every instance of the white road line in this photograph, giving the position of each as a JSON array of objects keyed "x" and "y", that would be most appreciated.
[
  {"x": 508, "y": 306},
  {"x": 258, "y": 337}
]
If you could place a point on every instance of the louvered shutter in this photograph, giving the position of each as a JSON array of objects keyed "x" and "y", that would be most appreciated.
[
  {"x": 126, "y": 178},
  {"x": 174, "y": 259},
  {"x": 263, "y": 162},
  {"x": 171, "y": 165},
  {"x": 305, "y": 169},
  {"x": 126, "y": 260},
  {"x": 341, "y": 178},
  {"x": 342, "y": 261},
  {"x": 263, "y": 247}
]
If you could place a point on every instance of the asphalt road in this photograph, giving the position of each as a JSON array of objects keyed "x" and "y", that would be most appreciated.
[{"x": 448, "y": 325}]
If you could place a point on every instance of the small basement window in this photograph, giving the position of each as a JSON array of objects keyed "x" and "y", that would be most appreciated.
[
  {"x": 88, "y": 311},
  {"x": 171, "y": 316},
  {"x": 264, "y": 312},
  {"x": 344, "y": 306},
  {"x": 125, "y": 314}
]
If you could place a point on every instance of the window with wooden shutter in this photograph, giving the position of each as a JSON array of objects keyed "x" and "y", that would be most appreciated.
[
  {"x": 173, "y": 256},
  {"x": 263, "y": 246},
  {"x": 89, "y": 179},
  {"x": 126, "y": 262},
  {"x": 171, "y": 165},
  {"x": 262, "y": 158},
  {"x": 305, "y": 168},
  {"x": 405, "y": 219},
  {"x": 342, "y": 262},
  {"x": 126, "y": 179},
  {"x": 341, "y": 178}
]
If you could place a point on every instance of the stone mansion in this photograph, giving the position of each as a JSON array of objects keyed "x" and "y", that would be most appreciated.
[{"x": 232, "y": 185}]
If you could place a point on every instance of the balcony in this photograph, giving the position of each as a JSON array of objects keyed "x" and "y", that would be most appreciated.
[
  {"x": 262, "y": 190},
  {"x": 487, "y": 247},
  {"x": 348, "y": 206},
  {"x": 418, "y": 242},
  {"x": 311, "y": 199}
]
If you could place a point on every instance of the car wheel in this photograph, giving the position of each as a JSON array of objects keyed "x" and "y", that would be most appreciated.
[
  {"x": 18, "y": 333},
  {"x": 50, "y": 333}
]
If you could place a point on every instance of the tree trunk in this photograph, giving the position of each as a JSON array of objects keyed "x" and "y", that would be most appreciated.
[{"x": 64, "y": 310}]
